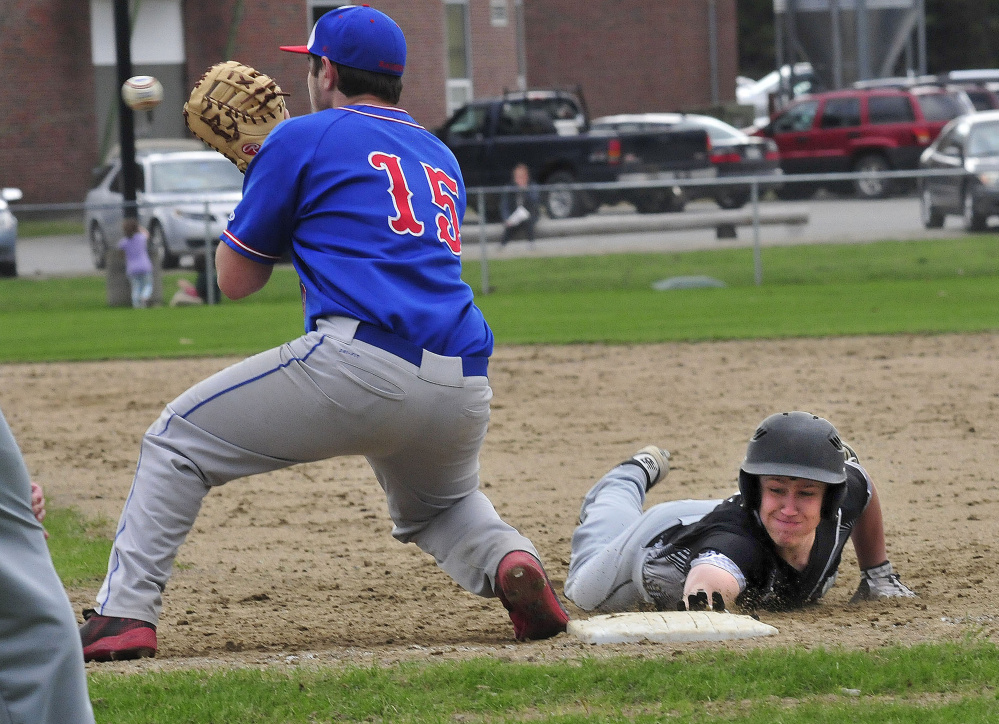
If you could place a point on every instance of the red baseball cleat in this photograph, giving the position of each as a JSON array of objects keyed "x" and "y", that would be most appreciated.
[
  {"x": 527, "y": 594},
  {"x": 110, "y": 638}
]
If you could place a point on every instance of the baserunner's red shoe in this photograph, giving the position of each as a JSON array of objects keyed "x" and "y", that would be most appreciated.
[
  {"x": 526, "y": 592},
  {"x": 111, "y": 638}
]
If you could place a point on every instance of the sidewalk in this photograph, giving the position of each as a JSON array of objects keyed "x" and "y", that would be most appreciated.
[{"x": 53, "y": 255}]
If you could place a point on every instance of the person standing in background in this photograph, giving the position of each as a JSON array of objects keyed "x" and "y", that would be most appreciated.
[{"x": 138, "y": 265}]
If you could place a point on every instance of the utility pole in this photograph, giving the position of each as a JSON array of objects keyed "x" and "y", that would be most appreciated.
[
  {"x": 116, "y": 281},
  {"x": 126, "y": 121}
]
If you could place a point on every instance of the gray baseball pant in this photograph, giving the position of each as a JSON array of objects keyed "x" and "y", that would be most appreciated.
[
  {"x": 611, "y": 543},
  {"x": 323, "y": 395},
  {"x": 42, "y": 678}
]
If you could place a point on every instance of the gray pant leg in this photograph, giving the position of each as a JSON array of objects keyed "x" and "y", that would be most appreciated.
[
  {"x": 42, "y": 678},
  {"x": 609, "y": 546},
  {"x": 317, "y": 397},
  {"x": 430, "y": 474}
]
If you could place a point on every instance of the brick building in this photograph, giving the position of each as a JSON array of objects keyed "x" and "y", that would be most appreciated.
[
  {"x": 635, "y": 56},
  {"x": 627, "y": 55}
]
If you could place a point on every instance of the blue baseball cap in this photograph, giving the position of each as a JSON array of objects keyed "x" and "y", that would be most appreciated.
[{"x": 358, "y": 36}]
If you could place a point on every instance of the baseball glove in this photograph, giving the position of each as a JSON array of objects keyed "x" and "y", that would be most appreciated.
[{"x": 233, "y": 108}]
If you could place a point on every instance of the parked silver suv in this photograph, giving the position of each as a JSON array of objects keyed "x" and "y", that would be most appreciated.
[{"x": 173, "y": 183}]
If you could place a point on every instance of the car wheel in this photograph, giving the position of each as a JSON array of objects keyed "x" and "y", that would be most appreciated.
[
  {"x": 731, "y": 198},
  {"x": 795, "y": 191},
  {"x": 659, "y": 201},
  {"x": 973, "y": 221},
  {"x": 493, "y": 214},
  {"x": 562, "y": 203},
  {"x": 872, "y": 188},
  {"x": 98, "y": 246},
  {"x": 932, "y": 217},
  {"x": 158, "y": 248}
]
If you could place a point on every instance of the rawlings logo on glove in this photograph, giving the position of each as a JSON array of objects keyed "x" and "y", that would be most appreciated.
[{"x": 233, "y": 108}]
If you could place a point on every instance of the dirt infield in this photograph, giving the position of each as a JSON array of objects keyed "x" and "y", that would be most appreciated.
[{"x": 300, "y": 565}]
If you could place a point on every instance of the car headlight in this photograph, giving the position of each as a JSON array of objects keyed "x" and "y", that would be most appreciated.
[{"x": 989, "y": 178}]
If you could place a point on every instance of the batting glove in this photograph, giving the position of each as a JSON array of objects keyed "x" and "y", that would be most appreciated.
[
  {"x": 653, "y": 461},
  {"x": 880, "y": 582}
]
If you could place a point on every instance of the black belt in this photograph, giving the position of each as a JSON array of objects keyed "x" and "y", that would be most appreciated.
[{"x": 412, "y": 353}]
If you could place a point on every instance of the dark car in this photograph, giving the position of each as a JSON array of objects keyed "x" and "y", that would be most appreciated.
[
  {"x": 549, "y": 131},
  {"x": 969, "y": 144},
  {"x": 858, "y": 130},
  {"x": 732, "y": 152}
]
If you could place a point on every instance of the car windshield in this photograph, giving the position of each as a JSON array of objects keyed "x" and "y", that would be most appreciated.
[
  {"x": 193, "y": 175},
  {"x": 469, "y": 122},
  {"x": 984, "y": 139}
]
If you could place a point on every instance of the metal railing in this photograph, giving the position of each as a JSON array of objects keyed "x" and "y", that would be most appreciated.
[
  {"x": 209, "y": 238},
  {"x": 479, "y": 195},
  {"x": 755, "y": 183}
]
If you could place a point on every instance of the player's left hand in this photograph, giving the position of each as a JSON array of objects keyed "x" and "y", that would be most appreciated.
[
  {"x": 880, "y": 582},
  {"x": 233, "y": 108},
  {"x": 38, "y": 503}
]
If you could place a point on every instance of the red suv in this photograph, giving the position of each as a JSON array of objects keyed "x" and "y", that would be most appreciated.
[{"x": 860, "y": 130}]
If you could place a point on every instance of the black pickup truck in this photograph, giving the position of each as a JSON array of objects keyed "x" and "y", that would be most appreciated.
[{"x": 549, "y": 131}]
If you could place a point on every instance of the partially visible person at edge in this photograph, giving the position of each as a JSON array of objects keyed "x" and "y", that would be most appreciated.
[
  {"x": 519, "y": 209},
  {"x": 138, "y": 265},
  {"x": 42, "y": 678},
  {"x": 775, "y": 545},
  {"x": 393, "y": 364}
]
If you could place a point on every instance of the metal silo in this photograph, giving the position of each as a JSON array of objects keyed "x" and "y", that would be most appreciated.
[{"x": 850, "y": 40}]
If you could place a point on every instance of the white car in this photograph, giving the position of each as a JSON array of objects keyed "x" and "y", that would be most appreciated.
[
  {"x": 8, "y": 232},
  {"x": 172, "y": 189}
]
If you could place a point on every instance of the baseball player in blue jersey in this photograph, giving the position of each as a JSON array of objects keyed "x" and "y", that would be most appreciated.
[
  {"x": 776, "y": 545},
  {"x": 42, "y": 678},
  {"x": 392, "y": 365}
]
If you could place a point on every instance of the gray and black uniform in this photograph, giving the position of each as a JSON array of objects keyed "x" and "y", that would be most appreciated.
[{"x": 624, "y": 559}]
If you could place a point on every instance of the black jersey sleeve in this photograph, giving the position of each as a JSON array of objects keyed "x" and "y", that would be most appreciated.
[{"x": 730, "y": 530}]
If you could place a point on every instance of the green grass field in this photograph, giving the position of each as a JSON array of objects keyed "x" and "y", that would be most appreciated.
[
  {"x": 882, "y": 288},
  {"x": 886, "y": 288}
]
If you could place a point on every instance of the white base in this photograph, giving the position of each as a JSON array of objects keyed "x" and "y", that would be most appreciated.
[{"x": 667, "y": 627}]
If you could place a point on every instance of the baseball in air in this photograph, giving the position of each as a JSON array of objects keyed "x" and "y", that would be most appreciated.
[{"x": 142, "y": 92}]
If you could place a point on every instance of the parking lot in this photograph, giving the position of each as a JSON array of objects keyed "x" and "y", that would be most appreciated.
[{"x": 831, "y": 220}]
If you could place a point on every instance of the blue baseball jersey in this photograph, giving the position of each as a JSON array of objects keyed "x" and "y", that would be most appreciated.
[{"x": 369, "y": 203}]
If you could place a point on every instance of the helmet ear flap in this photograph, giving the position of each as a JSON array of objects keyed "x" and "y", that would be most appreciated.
[
  {"x": 834, "y": 497},
  {"x": 749, "y": 488}
]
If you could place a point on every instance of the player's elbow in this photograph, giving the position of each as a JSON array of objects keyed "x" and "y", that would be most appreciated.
[
  {"x": 235, "y": 288},
  {"x": 238, "y": 276}
]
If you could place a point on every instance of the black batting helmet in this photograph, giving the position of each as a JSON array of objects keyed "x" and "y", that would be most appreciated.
[{"x": 798, "y": 445}]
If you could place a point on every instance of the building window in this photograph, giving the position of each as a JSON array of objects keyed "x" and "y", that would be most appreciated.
[
  {"x": 456, "y": 19},
  {"x": 459, "y": 62},
  {"x": 499, "y": 13}
]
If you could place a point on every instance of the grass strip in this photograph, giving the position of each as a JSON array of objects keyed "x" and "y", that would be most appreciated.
[
  {"x": 945, "y": 682},
  {"x": 886, "y": 288}
]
